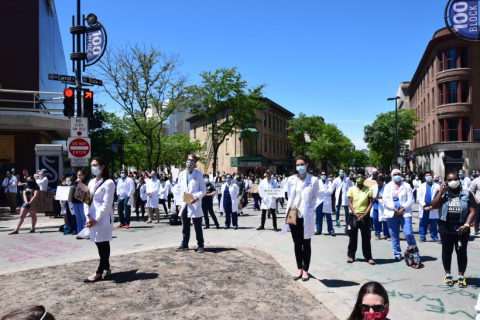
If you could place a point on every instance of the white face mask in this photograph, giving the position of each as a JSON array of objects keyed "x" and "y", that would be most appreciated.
[{"x": 453, "y": 184}]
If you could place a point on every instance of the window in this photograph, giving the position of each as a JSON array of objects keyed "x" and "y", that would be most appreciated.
[
  {"x": 226, "y": 145},
  {"x": 194, "y": 132},
  {"x": 269, "y": 121},
  {"x": 273, "y": 123},
  {"x": 454, "y": 129},
  {"x": 278, "y": 146},
  {"x": 265, "y": 120},
  {"x": 453, "y": 58},
  {"x": 278, "y": 128},
  {"x": 269, "y": 145},
  {"x": 273, "y": 146},
  {"x": 453, "y": 92},
  {"x": 204, "y": 127},
  {"x": 250, "y": 147},
  {"x": 265, "y": 146}
]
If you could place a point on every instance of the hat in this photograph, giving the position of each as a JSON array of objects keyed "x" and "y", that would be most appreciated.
[{"x": 395, "y": 171}]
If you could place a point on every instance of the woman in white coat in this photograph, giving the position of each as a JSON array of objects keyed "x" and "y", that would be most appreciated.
[
  {"x": 379, "y": 219},
  {"x": 302, "y": 191},
  {"x": 229, "y": 203},
  {"x": 99, "y": 215},
  {"x": 153, "y": 185},
  {"x": 398, "y": 201},
  {"x": 324, "y": 205},
  {"x": 268, "y": 203},
  {"x": 163, "y": 194}
]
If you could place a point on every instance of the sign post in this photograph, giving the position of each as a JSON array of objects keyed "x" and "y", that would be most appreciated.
[{"x": 79, "y": 127}]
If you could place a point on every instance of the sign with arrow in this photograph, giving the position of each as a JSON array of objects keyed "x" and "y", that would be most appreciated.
[{"x": 60, "y": 77}]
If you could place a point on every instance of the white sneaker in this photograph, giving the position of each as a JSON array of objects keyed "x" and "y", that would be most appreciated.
[{"x": 28, "y": 214}]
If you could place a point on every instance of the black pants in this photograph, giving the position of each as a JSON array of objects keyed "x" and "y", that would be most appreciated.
[
  {"x": 303, "y": 249},
  {"x": 162, "y": 202},
  {"x": 104, "y": 252},
  {"x": 244, "y": 200},
  {"x": 140, "y": 204},
  {"x": 450, "y": 241},
  {"x": 477, "y": 219},
  {"x": 169, "y": 199},
  {"x": 264, "y": 217},
  {"x": 364, "y": 227},
  {"x": 286, "y": 196},
  {"x": 207, "y": 207}
]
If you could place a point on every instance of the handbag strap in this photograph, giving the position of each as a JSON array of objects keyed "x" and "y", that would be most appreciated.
[{"x": 94, "y": 191}]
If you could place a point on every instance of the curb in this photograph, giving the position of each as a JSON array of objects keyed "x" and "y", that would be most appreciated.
[{"x": 36, "y": 228}]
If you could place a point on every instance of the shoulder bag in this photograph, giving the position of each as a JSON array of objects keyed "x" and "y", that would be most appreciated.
[{"x": 292, "y": 213}]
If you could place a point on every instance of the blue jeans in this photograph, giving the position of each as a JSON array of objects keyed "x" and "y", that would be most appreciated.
[
  {"x": 394, "y": 225},
  {"x": 122, "y": 207},
  {"x": 415, "y": 196},
  {"x": 80, "y": 216},
  {"x": 377, "y": 225},
  {"x": 319, "y": 219},
  {"x": 197, "y": 224},
  {"x": 337, "y": 211},
  {"x": 71, "y": 222},
  {"x": 422, "y": 229}
]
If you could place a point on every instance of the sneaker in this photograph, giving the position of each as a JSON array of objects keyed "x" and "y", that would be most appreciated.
[
  {"x": 338, "y": 224},
  {"x": 120, "y": 226},
  {"x": 371, "y": 262},
  {"x": 422, "y": 240},
  {"x": 388, "y": 238},
  {"x": 127, "y": 226},
  {"x": 398, "y": 259},
  {"x": 318, "y": 232},
  {"x": 350, "y": 260},
  {"x": 235, "y": 228},
  {"x": 377, "y": 238},
  {"x": 201, "y": 250},
  {"x": 207, "y": 227},
  {"x": 461, "y": 282},
  {"x": 149, "y": 221},
  {"x": 260, "y": 228},
  {"x": 438, "y": 241},
  {"x": 181, "y": 248},
  {"x": 449, "y": 280},
  {"x": 330, "y": 234}
]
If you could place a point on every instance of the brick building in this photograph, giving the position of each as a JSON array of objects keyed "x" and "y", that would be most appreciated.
[
  {"x": 266, "y": 148},
  {"x": 445, "y": 92}
]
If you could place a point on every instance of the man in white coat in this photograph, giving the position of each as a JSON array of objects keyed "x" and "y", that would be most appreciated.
[
  {"x": 426, "y": 193},
  {"x": 324, "y": 205},
  {"x": 416, "y": 184},
  {"x": 10, "y": 185},
  {"x": 41, "y": 180},
  {"x": 464, "y": 180},
  {"x": 125, "y": 190},
  {"x": 191, "y": 181},
  {"x": 268, "y": 203},
  {"x": 341, "y": 185},
  {"x": 153, "y": 185}
]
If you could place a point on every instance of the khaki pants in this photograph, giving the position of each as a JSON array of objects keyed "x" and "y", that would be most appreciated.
[
  {"x": 150, "y": 213},
  {"x": 12, "y": 201}
]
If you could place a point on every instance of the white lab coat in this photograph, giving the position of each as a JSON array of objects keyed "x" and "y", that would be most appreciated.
[
  {"x": 234, "y": 190},
  {"x": 416, "y": 184},
  {"x": 343, "y": 185},
  {"x": 175, "y": 198},
  {"x": 324, "y": 195},
  {"x": 153, "y": 185},
  {"x": 307, "y": 207},
  {"x": 196, "y": 187},
  {"x": 269, "y": 202},
  {"x": 143, "y": 192},
  {"x": 170, "y": 186},
  {"x": 100, "y": 209},
  {"x": 130, "y": 187},
  {"x": 381, "y": 204},
  {"x": 10, "y": 185},
  {"x": 43, "y": 184},
  {"x": 421, "y": 199},
  {"x": 466, "y": 182},
  {"x": 405, "y": 197},
  {"x": 163, "y": 191}
]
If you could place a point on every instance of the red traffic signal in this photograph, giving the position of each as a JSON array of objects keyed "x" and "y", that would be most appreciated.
[
  {"x": 88, "y": 95},
  {"x": 68, "y": 102},
  {"x": 68, "y": 93}
]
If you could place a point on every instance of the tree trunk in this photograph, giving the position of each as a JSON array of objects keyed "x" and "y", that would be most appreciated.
[{"x": 215, "y": 152}]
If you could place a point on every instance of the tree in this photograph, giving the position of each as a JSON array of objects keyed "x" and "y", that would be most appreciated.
[
  {"x": 148, "y": 86},
  {"x": 302, "y": 131},
  {"x": 172, "y": 145},
  {"x": 357, "y": 158},
  {"x": 380, "y": 135},
  {"x": 225, "y": 89}
]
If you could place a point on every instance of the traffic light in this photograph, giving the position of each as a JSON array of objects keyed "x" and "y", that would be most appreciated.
[
  {"x": 68, "y": 102},
  {"x": 87, "y": 103}
]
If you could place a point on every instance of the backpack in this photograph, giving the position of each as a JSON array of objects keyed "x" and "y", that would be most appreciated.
[
  {"x": 174, "y": 221},
  {"x": 412, "y": 257}
]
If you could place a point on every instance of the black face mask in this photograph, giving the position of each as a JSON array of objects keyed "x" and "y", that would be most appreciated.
[{"x": 31, "y": 184}]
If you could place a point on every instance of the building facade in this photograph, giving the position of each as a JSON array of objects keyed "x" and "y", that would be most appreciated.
[
  {"x": 445, "y": 93},
  {"x": 178, "y": 122},
  {"x": 265, "y": 148}
]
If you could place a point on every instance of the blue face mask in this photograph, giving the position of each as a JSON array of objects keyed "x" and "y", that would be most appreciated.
[
  {"x": 228, "y": 179},
  {"x": 301, "y": 169},
  {"x": 341, "y": 174},
  {"x": 122, "y": 175},
  {"x": 428, "y": 179},
  {"x": 96, "y": 170},
  {"x": 397, "y": 178}
]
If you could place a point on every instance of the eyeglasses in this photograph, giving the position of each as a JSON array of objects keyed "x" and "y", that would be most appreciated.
[
  {"x": 376, "y": 308},
  {"x": 452, "y": 180}
]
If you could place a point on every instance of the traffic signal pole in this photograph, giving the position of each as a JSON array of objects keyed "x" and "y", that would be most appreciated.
[{"x": 78, "y": 73}]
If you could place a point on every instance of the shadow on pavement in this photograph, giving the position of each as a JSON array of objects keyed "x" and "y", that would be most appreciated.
[
  {"x": 333, "y": 283},
  {"x": 129, "y": 276},
  {"x": 218, "y": 250}
]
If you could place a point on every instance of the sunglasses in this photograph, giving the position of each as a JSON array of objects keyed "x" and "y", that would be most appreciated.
[
  {"x": 452, "y": 180},
  {"x": 376, "y": 308}
]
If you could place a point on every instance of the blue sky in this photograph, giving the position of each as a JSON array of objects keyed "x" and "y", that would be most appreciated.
[{"x": 337, "y": 59}]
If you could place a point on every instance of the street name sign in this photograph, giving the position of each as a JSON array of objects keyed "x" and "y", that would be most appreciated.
[
  {"x": 60, "y": 77},
  {"x": 92, "y": 81},
  {"x": 79, "y": 127},
  {"x": 79, "y": 162},
  {"x": 78, "y": 148}
]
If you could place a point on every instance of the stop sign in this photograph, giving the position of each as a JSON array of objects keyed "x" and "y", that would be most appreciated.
[{"x": 79, "y": 148}]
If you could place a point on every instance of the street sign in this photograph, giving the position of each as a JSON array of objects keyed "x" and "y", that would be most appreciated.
[
  {"x": 114, "y": 148},
  {"x": 60, "y": 77},
  {"x": 79, "y": 127},
  {"x": 92, "y": 81},
  {"x": 78, "y": 148},
  {"x": 79, "y": 162}
]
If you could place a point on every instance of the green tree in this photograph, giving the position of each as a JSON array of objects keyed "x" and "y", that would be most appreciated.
[
  {"x": 380, "y": 135},
  {"x": 173, "y": 144},
  {"x": 302, "y": 131},
  {"x": 357, "y": 158},
  {"x": 225, "y": 89}
]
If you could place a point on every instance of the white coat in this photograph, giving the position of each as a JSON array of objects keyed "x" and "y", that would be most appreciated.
[
  {"x": 421, "y": 199},
  {"x": 175, "y": 198},
  {"x": 381, "y": 204},
  {"x": 129, "y": 185},
  {"x": 307, "y": 206},
  {"x": 324, "y": 195},
  {"x": 269, "y": 202},
  {"x": 153, "y": 185},
  {"x": 143, "y": 192},
  {"x": 43, "y": 183},
  {"x": 196, "y": 187},
  {"x": 416, "y": 184},
  {"x": 10, "y": 185},
  {"x": 405, "y": 197},
  {"x": 163, "y": 191},
  {"x": 339, "y": 184},
  {"x": 466, "y": 182},
  {"x": 234, "y": 190},
  {"x": 100, "y": 209}
]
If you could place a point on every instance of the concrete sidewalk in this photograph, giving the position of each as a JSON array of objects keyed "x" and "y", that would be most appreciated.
[{"x": 414, "y": 294}]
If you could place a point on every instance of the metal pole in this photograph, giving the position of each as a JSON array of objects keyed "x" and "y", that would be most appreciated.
[
  {"x": 396, "y": 163},
  {"x": 121, "y": 154},
  {"x": 78, "y": 73}
]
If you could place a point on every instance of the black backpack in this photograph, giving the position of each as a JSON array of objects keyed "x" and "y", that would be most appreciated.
[{"x": 174, "y": 221}]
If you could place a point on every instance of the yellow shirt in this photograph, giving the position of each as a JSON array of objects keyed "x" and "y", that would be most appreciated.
[{"x": 360, "y": 198}]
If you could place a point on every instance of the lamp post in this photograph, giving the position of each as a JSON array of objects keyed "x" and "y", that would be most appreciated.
[
  {"x": 390, "y": 99},
  {"x": 114, "y": 145}
]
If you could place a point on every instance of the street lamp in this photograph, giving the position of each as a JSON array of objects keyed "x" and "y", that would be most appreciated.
[{"x": 391, "y": 99}]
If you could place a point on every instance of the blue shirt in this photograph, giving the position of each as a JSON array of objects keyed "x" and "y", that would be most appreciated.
[
  {"x": 375, "y": 202},
  {"x": 428, "y": 195}
]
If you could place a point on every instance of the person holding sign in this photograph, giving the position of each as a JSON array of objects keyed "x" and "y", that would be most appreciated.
[
  {"x": 268, "y": 203},
  {"x": 191, "y": 185},
  {"x": 30, "y": 192},
  {"x": 229, "y": 203},
  {"x": 100, "y": 215}
]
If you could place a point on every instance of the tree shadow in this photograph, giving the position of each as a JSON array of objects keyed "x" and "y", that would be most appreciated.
[
  {"x": 336, "y": 283},
  {"x": 129, "y": 276},
  {"x": 219, "y": 250}
]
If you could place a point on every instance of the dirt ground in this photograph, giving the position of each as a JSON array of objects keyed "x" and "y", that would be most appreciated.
[{"x": 223, "y": 283}]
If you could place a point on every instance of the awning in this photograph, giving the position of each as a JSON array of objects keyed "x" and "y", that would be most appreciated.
[
  {"x": 275, "y": 161},
  {"x": 253, "y": 133}
]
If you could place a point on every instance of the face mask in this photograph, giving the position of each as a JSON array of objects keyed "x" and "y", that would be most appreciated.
[
  {"x": 8, "y": 175},
  {"x": 453, "y": 184},
  {"x": 189, "y": 164},
  {"x": 436, "y": 180},
  {"x": 206, "y": 180},
  {"x": 69, "y": 183},
  {"x": 341, "y": 174},
  {"x": 96, "y": 170},
  {"x": 428, "y": 179},
  {"x": 416, "y": 178},
  {"x": 324, "y": 177},
  {"x": 63, "y": 183},
  {"x": 440, "y": 180},
  {"x": 228, "y": 179},
  {"x": 460, "y": 174},
  {"x": 122, "y": 175},
  {"x": 375, "y": 315},
  {"x": 408, "y": 179},
  {"x": 31, "y": 184},
  {"x": 301, "y": 169},
  {"x": 397, "y": 178},
  {"x": 25, "y": 174},
  {"x": 360, "y": 180}
]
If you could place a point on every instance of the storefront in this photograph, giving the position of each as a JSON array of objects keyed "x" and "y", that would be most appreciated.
[{"x": 258, "y": 165}]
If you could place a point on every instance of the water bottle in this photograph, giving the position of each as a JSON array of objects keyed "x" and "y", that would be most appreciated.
[{"x": 65, "y": 230}]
